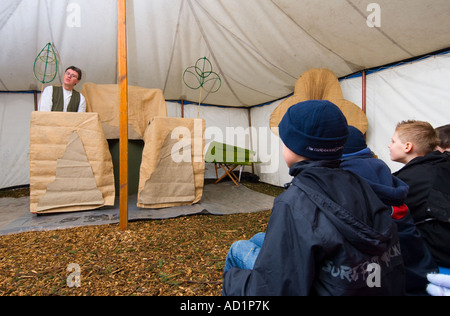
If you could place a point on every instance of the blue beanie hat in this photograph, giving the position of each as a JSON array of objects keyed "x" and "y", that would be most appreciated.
[
  {"x": 355, "y": 142},
  {"x": 315, "y": 129}
]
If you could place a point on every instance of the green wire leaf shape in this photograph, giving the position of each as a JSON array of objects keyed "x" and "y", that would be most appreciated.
[
  {"x": 46, "y": 64},
  {"x": 202, "y": 76}
]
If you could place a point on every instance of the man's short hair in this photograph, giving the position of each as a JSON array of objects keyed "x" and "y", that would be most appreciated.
[
  {"x": 444, "y": 135},
  {"x": 78, "y": 70},
  {"x": 421, "y": 134}
]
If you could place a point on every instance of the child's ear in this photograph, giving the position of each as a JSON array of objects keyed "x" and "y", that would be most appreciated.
[{"x": 408, "y": 147}]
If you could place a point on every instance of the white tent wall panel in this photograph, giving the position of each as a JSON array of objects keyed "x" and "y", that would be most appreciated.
[
  {"x": 15, "y": 111},
  {"x": 26, "y": 26},
  {"x": 269, "y": 147},
  {"x": 414, "y": 91},
  {"x": 259, "y": 48},
  {"x": 173, "y": 109}
]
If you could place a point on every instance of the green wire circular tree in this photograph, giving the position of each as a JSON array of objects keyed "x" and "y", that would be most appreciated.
[
  {"x": 201, "y": 76},
  {"x": 45, "y": 65}
]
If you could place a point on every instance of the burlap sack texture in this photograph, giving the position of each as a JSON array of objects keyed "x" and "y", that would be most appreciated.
[
  {"x": 173, "y": 167},
  {"x": 162, "y": 182},
  {"x": 70, "y": 163},
  {"x": 143, "y": 105},
  {"x": 320, "y": 84}
]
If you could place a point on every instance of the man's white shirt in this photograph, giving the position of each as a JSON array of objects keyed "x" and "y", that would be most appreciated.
[{"x": 47, "y": 100}]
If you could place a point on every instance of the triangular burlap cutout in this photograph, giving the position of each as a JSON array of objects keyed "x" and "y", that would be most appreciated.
[
  {"x": 74, "y": 184},
  {"x": 171, "y": 181}
]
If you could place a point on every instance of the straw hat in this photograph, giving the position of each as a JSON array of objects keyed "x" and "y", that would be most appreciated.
[{"x": 320, "y": 84}]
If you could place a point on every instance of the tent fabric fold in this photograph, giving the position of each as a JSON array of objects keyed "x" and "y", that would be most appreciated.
[{"x": 259, "y": 48}]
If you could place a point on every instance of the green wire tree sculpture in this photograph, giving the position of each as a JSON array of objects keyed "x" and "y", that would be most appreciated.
[
  {"x": 201, "y": 76},
  {"x": 45, "y": 65}
]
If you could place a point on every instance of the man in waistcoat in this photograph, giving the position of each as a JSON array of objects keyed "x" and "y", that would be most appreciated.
[{"x": 64, "y": 98}]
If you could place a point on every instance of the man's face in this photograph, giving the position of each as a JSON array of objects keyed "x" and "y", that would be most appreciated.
[
  {"x": 71, "y": 78},
  {"x": 398, "y": 149}
]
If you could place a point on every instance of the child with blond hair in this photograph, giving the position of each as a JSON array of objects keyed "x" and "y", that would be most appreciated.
[{"x": 427, "y": 172}]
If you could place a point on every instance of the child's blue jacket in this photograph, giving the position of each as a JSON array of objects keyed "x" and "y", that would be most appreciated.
[{"x": 324, "y": 233}]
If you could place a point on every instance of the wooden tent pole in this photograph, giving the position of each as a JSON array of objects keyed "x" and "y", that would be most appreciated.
[
  {"x": 250, "y": 134},
  {"x": 35, "y": 100},
  {"x": 182, "y": 108},
  {"x": 123, "y": 111},
  {"x": 364, "y": 90}
]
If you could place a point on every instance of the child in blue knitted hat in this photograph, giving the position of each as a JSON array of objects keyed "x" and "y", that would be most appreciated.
[{"x": 329, "y": 234}]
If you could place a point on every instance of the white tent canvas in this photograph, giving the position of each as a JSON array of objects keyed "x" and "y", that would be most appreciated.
[{"x": 259, "y": 48}]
